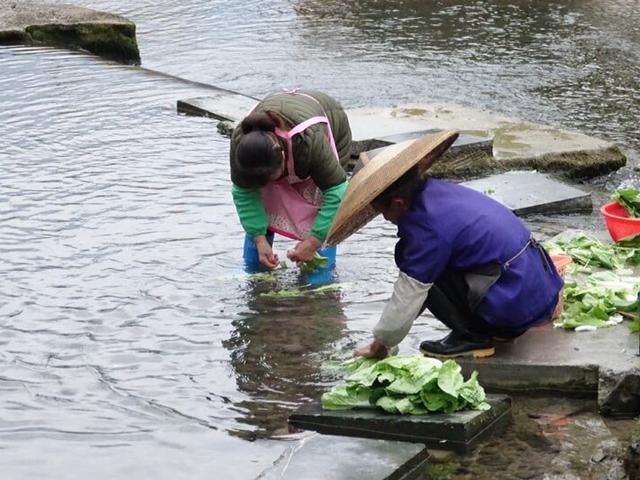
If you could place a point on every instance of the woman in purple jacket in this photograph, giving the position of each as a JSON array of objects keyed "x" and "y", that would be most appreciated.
[{"x": 461, "y": 254}]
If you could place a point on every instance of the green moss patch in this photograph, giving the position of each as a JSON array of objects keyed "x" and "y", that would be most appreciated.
[{"x": 113, "y": 41}]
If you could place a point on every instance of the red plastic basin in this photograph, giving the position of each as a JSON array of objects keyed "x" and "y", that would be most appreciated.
[{"x": 618, "y": 222}]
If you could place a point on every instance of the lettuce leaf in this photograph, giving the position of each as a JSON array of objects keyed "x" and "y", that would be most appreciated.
[{"x": 316, "y": 262}]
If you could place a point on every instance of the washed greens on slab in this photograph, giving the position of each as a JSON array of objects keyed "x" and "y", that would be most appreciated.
[
  {"x": 414, "y": 385},
  {"x": 588, "y": 251},
  {"x": 600, "y": 290},
  {"x": 598, "y": 300}
]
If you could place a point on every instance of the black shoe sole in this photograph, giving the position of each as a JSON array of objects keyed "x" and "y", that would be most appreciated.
[{"x": 476, "y": 353}]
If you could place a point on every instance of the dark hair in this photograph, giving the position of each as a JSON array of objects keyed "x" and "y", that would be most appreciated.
[
  {"x": 257, "y": 158},
  {"x": 406, "y": 186}
]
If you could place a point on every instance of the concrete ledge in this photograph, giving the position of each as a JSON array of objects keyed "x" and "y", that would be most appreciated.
[
  {"x": 29, "y": 22},
  {"x": 319, "y": 457},
  {"x": 517, "y": 144},
  {"x": 603, "y": 364},
  {"x": 619, "y": 392},
  {"x": 224, "y": 105},
  {"x": 495, "y": 143},
  {"x": 459, "y": 432},
  {"x": 468, "y": 155},
  {"x": 530, "y": 192}
]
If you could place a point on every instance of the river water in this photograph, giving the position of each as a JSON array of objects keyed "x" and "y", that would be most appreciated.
[{"x": 133, "y": 344}]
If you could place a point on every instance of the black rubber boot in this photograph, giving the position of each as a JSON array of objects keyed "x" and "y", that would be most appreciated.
[{"x": 456, "y": 345}]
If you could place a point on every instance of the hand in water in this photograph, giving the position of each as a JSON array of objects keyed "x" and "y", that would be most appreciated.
[
  {"x": 374, "y": 350},
  {"x": 304, "y": 250},
  {"x": 265, "y": 253}
]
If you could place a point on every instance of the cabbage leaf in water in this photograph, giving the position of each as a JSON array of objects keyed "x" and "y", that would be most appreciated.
[
  {"x": 630, "y": 200},
  {"x": 316, "y": 262},
  {"x": 406, "y": 385},
  {"x": 300, "y": 292}
]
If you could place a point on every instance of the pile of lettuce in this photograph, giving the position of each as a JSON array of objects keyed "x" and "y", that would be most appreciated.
[
  {"x": 599, "y": 301},
  {"x": 598, "y": 291},
  {"x": 588, "y": 252},
  {"x": 413, "y": 385}
]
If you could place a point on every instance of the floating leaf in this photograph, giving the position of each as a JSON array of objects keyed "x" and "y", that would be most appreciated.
[{"x": 316, "y": 262}]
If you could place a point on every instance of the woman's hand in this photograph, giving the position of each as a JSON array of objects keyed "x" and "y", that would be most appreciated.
[
  {"x": 304, "y": 250},
  {"x": 265, "y": 253},
  {"x": 374, "y": 350}
]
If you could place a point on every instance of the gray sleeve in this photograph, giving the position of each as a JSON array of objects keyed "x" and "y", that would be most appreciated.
[{"x": 401, "y": 310}]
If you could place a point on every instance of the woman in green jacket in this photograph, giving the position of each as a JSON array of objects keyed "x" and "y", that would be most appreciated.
[{"x": 288, "y": 159}]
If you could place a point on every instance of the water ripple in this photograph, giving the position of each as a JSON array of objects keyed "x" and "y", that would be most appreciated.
[{"x": 123, "y": 306}]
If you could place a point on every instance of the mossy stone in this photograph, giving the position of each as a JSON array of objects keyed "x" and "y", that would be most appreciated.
[{"x": 113, "y": 41}]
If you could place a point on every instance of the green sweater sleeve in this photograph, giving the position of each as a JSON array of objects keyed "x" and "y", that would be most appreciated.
[
  {"x": 250, "y": 210},
  {"x": 330, "y": 203}
]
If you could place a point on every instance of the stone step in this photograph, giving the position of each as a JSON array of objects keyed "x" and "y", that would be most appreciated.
[
  {"x": 41, "y": 23},
  {"x": 223, "y": 105},
  {"x": 603, "y": 365},
  {"x": 527, "y": 193},
  {"x": 320, "y": 457},
  {"x": 494, "y": 143},
  {"x": 370, "y": 132},
  {"x": 459, "y": 432}
]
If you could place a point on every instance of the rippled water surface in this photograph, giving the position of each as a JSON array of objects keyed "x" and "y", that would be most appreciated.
[{"x": 133, "y": 344}]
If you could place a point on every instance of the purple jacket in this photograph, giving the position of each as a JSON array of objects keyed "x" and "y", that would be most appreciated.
[{"x": 451, "y": 227}]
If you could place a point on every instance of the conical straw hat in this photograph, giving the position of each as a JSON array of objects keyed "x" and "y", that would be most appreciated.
[{"x": 379, "y": 173}]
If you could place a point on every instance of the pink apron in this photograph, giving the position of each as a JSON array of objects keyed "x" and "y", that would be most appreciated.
[{"x": 292, "y": 203}]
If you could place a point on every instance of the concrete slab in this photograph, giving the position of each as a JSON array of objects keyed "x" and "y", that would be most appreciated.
[
  {"x": 104, "y": 34},
  {"x": 518, "y": 144},
  {"x": 533, "y": 193},
  {"x": 463, "y": 158},
  {"x": 319, "y": 457},
  {"x": 371, "y": 133},
  {"x": 603, "y": 364},
  {"x": 223, "y": 105},
  {"x": 459, "y": 432},
  {"x": 495, "y": 143},
  {"x": 464, "y": 140}
]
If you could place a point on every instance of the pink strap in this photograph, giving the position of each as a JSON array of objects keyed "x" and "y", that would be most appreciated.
[
  {"x": 326, "y": 120},
  {"x": 288, "y": 135}
]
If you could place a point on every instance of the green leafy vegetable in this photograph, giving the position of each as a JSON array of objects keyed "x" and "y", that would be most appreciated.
[
  {"x": 632, "y": 241},
  {"x": 597, "y": 299},
  {"x": 630, "y": 200},
  {"x": 406, "y": 385},
  {"x": 594, "y": 298},
  {"x": 316, "y": 262},
  {"x": 590, "y": 252},
  {"x": 267, "y": 277},
  {"x": 586, "y": 250},
  {"x": 300, "y": 292}
]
